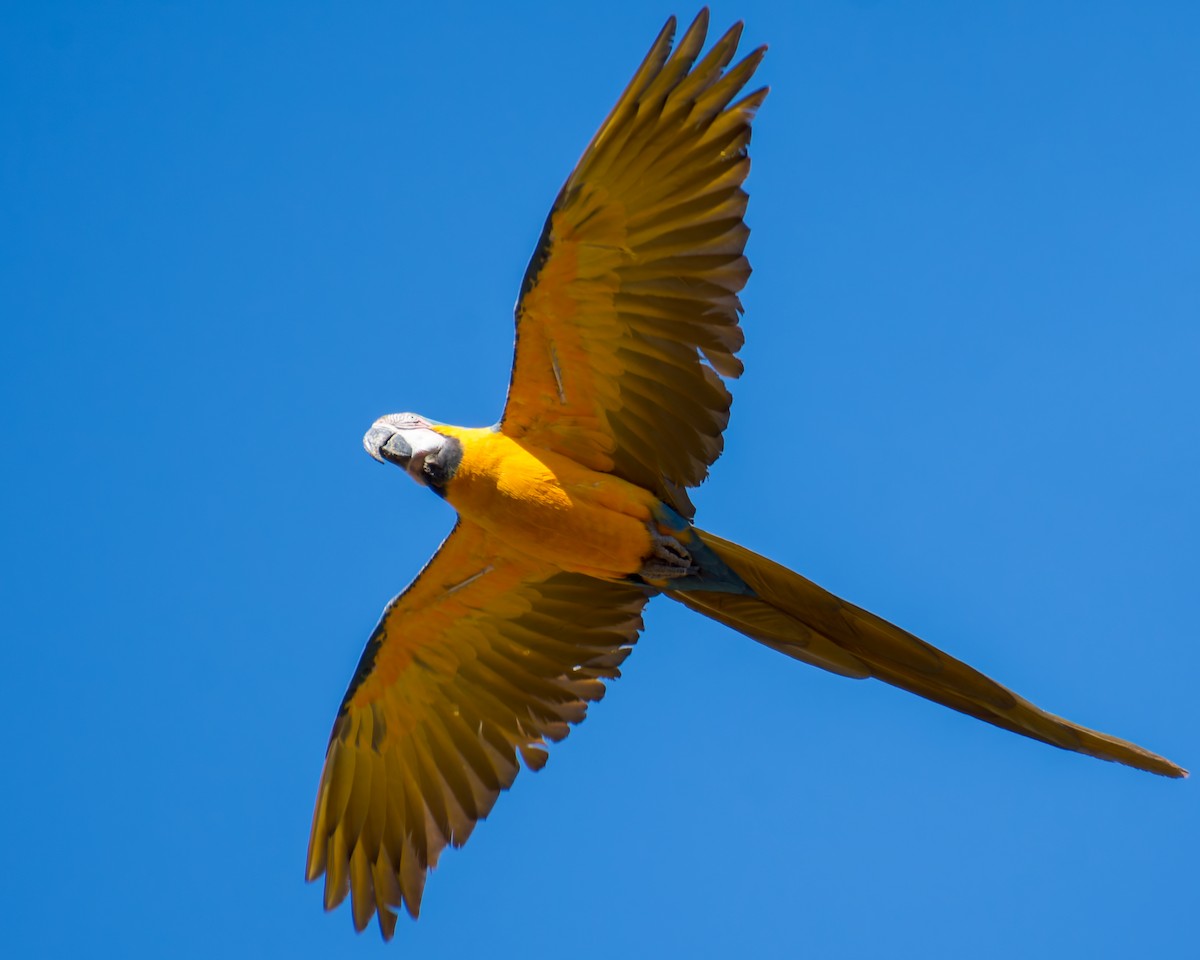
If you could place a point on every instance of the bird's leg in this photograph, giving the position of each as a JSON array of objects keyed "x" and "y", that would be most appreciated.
[{"x": 668, "y": 559}]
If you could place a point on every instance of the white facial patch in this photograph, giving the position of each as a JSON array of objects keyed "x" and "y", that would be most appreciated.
[{"x": 423, "y": 442}]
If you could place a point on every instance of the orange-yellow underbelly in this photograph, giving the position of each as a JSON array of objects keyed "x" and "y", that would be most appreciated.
[{"x": 550, "y": 507}]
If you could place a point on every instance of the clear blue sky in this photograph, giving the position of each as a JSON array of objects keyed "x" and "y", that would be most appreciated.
[{"x": 235, "y": 234}]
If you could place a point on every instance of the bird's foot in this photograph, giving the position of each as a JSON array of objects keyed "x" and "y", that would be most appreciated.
[{"x": 668, "y": 559}]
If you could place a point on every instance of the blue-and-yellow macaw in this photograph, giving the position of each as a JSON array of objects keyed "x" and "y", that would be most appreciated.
[{"x": 573, "y": 510}]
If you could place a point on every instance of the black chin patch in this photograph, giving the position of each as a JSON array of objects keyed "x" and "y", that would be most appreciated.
[{"x": 440, "y": 467}]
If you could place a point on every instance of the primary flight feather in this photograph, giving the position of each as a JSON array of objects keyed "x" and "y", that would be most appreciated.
[{"x": 573, "y": 510}]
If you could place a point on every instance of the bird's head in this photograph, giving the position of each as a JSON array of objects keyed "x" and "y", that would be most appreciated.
[{"x": 417, "y": 446}]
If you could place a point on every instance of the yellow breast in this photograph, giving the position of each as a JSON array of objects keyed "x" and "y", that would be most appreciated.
[{"x": 548, "y": 506}]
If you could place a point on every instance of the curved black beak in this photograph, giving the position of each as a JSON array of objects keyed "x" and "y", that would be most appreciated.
[{"x": 387, "y": 446}]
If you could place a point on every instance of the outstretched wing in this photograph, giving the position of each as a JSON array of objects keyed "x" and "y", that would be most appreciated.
[
  {"x": 628, "y": 314},
  {"x": 482, "y": 658}
]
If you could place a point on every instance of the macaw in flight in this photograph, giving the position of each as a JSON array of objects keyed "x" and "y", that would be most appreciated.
[{"x": 573, "y": 511}]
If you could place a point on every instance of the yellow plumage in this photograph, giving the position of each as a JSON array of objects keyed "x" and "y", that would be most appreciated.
[
  {"x": 547, "y": 506},
  {"x": 574, "y": 511}
]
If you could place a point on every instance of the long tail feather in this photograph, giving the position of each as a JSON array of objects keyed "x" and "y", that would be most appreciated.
[{"x": 793, "y": 615}]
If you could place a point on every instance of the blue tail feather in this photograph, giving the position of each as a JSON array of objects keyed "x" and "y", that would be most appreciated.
[{"x": 712, "y": 573}]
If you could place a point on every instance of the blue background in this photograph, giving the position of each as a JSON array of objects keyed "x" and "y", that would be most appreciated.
[{"x": 235, "y": 234}]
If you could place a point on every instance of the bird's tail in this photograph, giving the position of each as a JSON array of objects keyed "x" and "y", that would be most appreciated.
[{"x": 794, "y": 616}]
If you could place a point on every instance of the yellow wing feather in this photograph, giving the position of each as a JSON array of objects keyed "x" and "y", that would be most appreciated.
[
  {"x": 483, "y": 658},
  {"x": 628, "y": 315}
]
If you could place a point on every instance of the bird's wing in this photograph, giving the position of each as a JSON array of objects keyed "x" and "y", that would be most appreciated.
[
  {"x": 483, "y": 658},
  {"x": 628, "y": 313}
]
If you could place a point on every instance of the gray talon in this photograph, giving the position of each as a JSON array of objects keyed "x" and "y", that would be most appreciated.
[{"x": 668, "y": 558}]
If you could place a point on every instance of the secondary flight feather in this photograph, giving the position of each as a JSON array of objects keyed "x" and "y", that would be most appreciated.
[{"x": 574, "y": 511}]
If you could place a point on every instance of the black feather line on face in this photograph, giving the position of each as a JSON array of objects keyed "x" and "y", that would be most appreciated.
[{"x": 440, "y": 467}]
